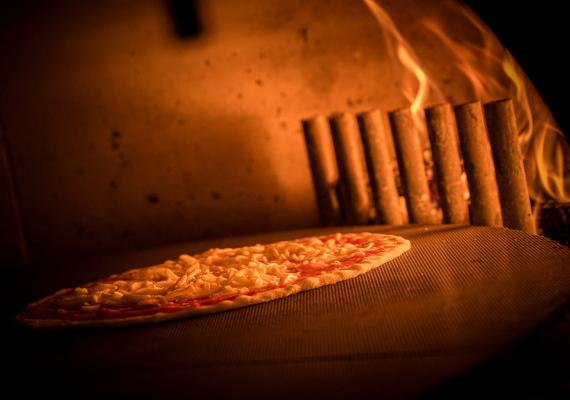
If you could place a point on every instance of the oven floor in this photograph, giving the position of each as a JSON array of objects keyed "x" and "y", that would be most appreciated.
[{"x": 458, "y": 298}]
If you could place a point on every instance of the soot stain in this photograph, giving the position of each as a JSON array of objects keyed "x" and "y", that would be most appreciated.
[
  {"x": 351, "y": 103},
  {"x": 81, "y": 230},
  {"x": 304, "y": 33},
  {"x": 152, "y": 198},
  {"x": 115, "y": 136}
]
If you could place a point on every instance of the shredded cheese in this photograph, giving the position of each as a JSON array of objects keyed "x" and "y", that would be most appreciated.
[{"x": 214, "y": 273}]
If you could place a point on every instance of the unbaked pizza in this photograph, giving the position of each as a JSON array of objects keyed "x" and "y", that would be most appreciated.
[{"x": 215, "y": 280}]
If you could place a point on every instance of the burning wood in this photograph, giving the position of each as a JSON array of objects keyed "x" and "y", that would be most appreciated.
[
  {"x": 323, "y": 167},
  {"x": 490, "y": 72},
  {"x": 515, "y": 202},
  {"x": 386, "y": 198},
  {"x": 411, "y": 163},
  {"x": 499, "y": 189},
  {"x": 478, "y": 164},
  {"x": 442, "y": 131},
  {"x": 482, "y": 151},
  {"x": 352, "y": 166}
]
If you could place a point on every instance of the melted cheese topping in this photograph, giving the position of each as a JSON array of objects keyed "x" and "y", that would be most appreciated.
[{"x": 215, "y": 273}]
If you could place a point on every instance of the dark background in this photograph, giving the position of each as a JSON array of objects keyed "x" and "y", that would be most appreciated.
[{"x": 536, "y": 33}]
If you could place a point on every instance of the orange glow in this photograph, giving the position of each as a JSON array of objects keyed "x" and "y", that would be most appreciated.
[
  {"x": 491, "y": 73},
  {"x": 417, "y": 87}
]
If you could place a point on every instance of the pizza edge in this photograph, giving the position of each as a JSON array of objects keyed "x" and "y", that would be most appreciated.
[{"x": 329, "y": 278}]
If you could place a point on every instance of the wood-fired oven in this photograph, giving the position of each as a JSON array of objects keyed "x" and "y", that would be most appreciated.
[{"x": 132, "y": 132}]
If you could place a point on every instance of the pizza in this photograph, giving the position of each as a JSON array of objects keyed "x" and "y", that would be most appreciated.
[{"x": 215, "y": 280}]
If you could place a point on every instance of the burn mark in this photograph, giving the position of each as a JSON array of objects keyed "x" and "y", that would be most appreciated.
[
  {"x": 216, "y": 195},
  {"x": 259, "y": 82},
  {"x": 81, "y": 230},
  {"x": 152, "y": 198},
  {"x": 181, "y": 122},
  {"x": 278, "y": 111},
  {"x": 304, "y": 33},
  {"x": 276, "y": 198},
  {"x": 207, "y": 63},
  {"x": 115, "y": 136},
  {"x": 351, "y": 103},
  {"x": 240, "y": 95},
  {"x": 283, "y": 125},
  {"x": 113, "y": 184}
]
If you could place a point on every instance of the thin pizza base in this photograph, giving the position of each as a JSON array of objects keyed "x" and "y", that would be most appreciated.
[{"x": 327, "y": 278}]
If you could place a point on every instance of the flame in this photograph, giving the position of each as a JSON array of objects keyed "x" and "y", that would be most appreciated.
[
  {"x": 490, "y": 73},
  {"x": 417, "y": 87},
  {"x": 399, "y": 48}
]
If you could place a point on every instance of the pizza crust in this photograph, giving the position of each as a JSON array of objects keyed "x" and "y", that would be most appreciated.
[{"x": 327, "y": 278}]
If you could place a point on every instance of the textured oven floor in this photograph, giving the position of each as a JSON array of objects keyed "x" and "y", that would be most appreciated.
[{"x": 457, "y": 298}]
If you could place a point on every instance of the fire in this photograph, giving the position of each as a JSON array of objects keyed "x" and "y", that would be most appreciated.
[
  {"x": 491, "y": 73},
  {"x": 418, "y": 87}
]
